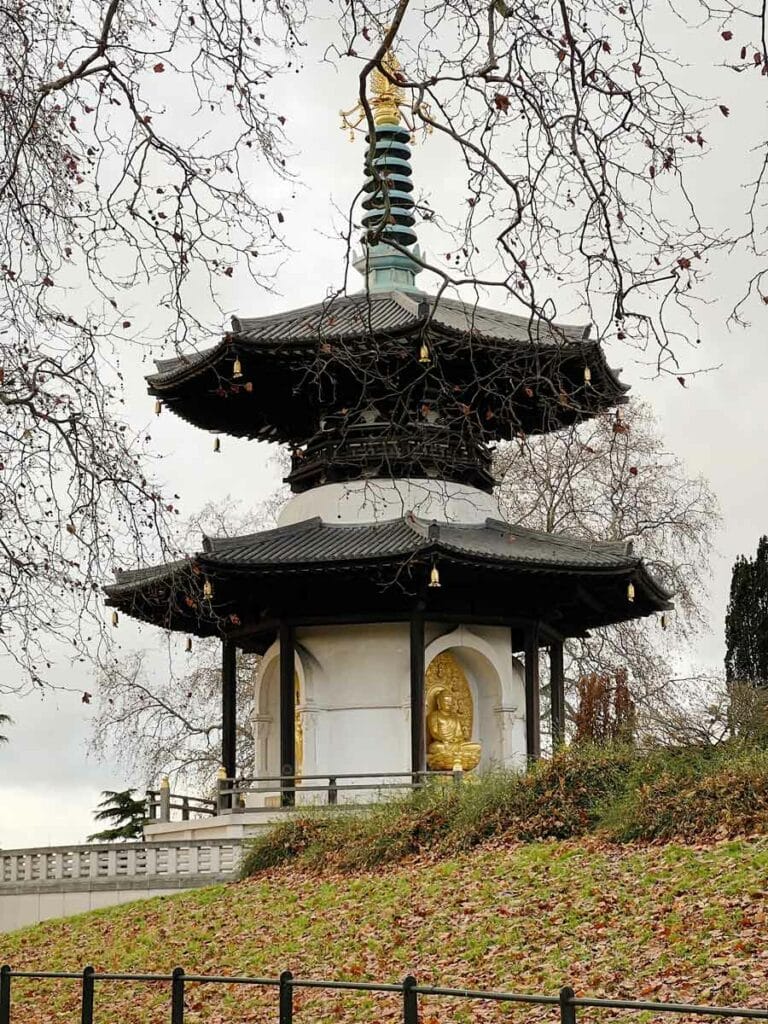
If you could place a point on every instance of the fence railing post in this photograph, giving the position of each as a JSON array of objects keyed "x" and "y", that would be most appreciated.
[
  {"x": 86, "y": 1009},
  {"x": 333, "y": 790},
  {"x": 567, "y": 1009},
  {"x": 223, "y": 801},
  {"x": 177, "y": 996},
  {"x": 410, "y": 1001},
  {"x": 165, "y": 799},
  {"x": 5, "y": 994},
  {"x": 286, "y": 998}
]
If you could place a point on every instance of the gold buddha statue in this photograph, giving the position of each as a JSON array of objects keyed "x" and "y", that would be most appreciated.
[{"x": 449, "y": 717}]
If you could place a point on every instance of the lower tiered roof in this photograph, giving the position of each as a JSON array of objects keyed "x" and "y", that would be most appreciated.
[{"x": 313, "y": 571}]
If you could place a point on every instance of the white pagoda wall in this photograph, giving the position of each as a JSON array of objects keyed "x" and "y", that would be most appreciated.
[
  {"x": 355, "y": 697},
  {"x": 368, "y": 501}
]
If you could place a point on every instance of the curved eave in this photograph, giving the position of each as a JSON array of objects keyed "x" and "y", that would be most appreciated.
[
  {"x": 169, "y": 596},
  {"x": 572, "y": 342},
  {"x": 633, "y": 570},
  {"x": 262, "y": 404},
  {"x": 172, "y": 372},
  {"x": 163, "y": 598}
]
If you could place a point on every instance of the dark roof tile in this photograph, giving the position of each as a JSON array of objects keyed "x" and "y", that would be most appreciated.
[
  {"x": 315, "y": 545},
  {"x": 318, "y": 543},
  {"x": 379, "y": 313}
]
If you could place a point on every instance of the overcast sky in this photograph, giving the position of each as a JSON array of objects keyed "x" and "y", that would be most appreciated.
[{"x": 717, "y": 425}]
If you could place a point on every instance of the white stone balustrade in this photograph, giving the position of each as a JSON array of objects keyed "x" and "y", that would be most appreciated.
[{"x": 58, "y": 881}]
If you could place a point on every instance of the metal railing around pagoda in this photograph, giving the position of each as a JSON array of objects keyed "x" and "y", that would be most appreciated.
[
  {"x": 411, "y": 996},
  {"x": 324, "y": 789},
  {"x": 276, "y": 791},
  {"x": 162, "y": 803}
]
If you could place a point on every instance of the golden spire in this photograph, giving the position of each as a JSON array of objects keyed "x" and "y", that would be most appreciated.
[{"x": 386, "y": 97}]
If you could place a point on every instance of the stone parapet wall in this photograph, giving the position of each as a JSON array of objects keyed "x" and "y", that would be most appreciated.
[{"x": 38, "y": 884}]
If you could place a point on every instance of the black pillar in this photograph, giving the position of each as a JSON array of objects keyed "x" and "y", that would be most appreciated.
[
  {"x": 557, "y": 693},
  {"x": 418, "y": 736},
  {"x": 287, "y": 714},
  {"x": 532, "y": 717},
  {"x": 228, "y": 708}
]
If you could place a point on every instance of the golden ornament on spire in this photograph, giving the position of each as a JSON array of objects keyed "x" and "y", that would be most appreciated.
[{"x": 387, "y": 99}]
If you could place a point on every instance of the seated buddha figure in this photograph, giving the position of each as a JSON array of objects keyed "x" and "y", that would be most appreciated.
[{"x": 449, "y": 746}]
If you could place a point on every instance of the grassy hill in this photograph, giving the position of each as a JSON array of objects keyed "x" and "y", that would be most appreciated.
[
  {"x": 591, "y": 870},
  {"x": 669, "y": 922}
]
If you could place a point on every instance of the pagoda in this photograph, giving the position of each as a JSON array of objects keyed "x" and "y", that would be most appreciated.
[{"x": 399, "y": 618}]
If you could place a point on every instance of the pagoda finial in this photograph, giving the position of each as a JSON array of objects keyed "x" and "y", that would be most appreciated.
[
  {"x": 391, "y": 104},
  {"x": 387, "y": 96},
  {"x": 387, "y": 261}
]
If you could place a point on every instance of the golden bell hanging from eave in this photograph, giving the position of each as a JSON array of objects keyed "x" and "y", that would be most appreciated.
[
  {"x": 587, "y": 376},
  {"x": 424, "y": 354},
  {"x": 115, "y": 618},
  {"x": 217, "y": 444},
  {"x": 630, "y": 592},
  {"x": 434, "y": 577},
  {"x": 664, "y": 620},
  {"x": 207, "y": 589},
  {"x": 189, "y": 645},
  {"x": 237, "y": 369},
  {"x": 158, "y": 407}
]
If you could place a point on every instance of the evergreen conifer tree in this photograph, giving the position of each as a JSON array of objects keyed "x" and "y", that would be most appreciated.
[
  {"x": 125, "y": 811},
  {"x": 746, "y": 621}
]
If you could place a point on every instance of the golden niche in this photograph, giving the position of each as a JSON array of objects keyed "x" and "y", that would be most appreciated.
[
  {"x": 298, "y": 727},
  {"x": 449, "y": 714}
]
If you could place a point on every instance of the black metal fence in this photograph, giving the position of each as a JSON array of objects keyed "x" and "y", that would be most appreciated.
[{"x": 409, "y": 991}]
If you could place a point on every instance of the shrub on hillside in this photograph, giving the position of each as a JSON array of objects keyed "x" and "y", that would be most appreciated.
[
  {"x": 344, "y": 838},
  {"x": 688, "y": 794},
  {"x": 555, "y": 799},
  {"x": 693, "y": 794},
  {"x": 287, "y": 841}
]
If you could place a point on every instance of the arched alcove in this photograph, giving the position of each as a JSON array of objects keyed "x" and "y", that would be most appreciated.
[
  {"x": 266, "y": 717},
  {"x": 495, "y": 680}
]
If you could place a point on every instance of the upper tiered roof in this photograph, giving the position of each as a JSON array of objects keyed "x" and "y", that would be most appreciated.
[
  {"x": 390, "y": 383},
  {"x": 534, "y": 371}
]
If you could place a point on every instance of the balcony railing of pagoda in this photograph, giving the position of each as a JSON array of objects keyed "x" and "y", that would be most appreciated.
[
  {"x": 282, "y": 790},
  {"x": 432, "y": 450},
  {"x": 163, "y": 805}
]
